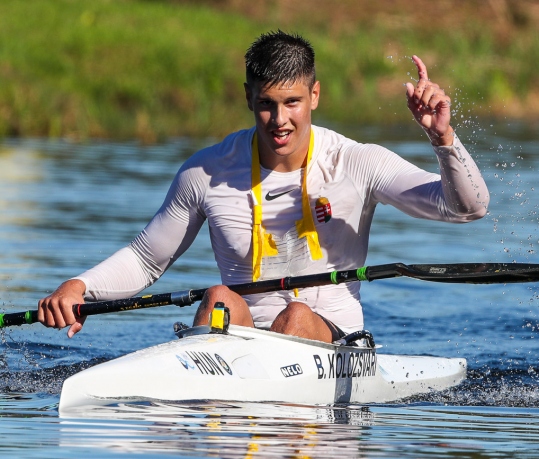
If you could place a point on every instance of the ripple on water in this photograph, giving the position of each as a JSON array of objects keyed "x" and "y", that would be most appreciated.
[{"x": 239, "y": 430}]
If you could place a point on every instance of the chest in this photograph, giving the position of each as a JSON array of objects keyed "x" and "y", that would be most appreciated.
[{"x": 333, "y": 201}]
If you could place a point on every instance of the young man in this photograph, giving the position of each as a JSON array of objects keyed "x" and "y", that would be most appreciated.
[{"x": 286, "y": 198}]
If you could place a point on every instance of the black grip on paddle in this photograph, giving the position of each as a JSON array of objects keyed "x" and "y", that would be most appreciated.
[
  {"x": 384, "y": 271},
  {"x": 127, "y": 304},
  {"x": 18, "y": 318}
]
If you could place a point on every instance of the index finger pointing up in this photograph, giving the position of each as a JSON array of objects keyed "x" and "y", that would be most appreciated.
[{"x": 421, "y": 68}]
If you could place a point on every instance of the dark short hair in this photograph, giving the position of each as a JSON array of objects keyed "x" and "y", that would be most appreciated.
[{"x": 278, "y": 57}]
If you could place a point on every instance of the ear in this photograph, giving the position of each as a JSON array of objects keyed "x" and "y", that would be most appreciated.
[
  {"x": 248, "y": 94},
  {"x": 315, "y": 95}
]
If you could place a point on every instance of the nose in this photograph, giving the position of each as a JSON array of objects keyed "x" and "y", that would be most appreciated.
[{"x": 279, "y": 115}]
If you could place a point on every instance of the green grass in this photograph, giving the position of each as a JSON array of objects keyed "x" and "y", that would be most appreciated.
[{"x": 155, "y": 69}]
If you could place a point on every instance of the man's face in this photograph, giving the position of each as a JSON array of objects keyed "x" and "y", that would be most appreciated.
[{"x": 283, "y": 121}]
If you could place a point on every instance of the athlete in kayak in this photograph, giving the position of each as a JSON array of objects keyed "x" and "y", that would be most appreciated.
[{"x": 286, "y": 198}]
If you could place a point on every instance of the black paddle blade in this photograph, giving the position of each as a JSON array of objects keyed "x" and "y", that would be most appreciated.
[{"x": 470, "y": 273}]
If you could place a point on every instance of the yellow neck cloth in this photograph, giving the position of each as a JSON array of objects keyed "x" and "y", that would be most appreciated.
[{"x": 263, "y": 243}]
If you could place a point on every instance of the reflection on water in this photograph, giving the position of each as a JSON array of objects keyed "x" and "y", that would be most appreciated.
[
  {"x": 242, "y": 430},
  {"x": 231, "y": 430},
  {"x": 64, "y": 207}
]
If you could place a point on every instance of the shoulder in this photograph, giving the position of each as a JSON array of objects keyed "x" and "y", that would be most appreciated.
[
  {"x": 224, "y": 162},
  {"x": 233, "y": 148},
  {"x": 331, "y": 144},
  {"x": 325, "y": 139}
]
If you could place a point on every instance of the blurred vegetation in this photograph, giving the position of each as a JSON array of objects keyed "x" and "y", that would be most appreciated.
[{"x": 151, "y": 69}]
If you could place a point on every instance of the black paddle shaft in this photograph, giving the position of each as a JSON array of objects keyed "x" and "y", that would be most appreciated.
[{"x": 473, "y": 273}]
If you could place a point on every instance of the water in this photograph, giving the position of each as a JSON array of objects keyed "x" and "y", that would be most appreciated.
[{"x": 65, "y": 207}]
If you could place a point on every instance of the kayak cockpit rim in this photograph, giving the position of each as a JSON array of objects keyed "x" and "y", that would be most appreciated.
[{"x": 251, "y": 333}]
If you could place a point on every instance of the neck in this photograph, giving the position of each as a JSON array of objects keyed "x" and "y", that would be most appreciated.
[{"x": 281, "y": 162}]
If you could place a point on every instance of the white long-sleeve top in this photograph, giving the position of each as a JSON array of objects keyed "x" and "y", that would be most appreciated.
[{"x": 215, "y": 185}]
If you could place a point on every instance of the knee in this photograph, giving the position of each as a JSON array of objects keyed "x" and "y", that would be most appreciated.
[
  {"x": 211, "y": 296},
  {"x": 296, "y": 319},
  {"x": 239, "y": 311},
  {"x": 290, "y": 317},
  {"x": 217, "y": 293},
  {"x": 296, "y": 311}
]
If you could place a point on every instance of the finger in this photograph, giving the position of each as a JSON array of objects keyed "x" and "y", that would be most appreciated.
[
  {"x": 410, "y": 99},
  {"x": 41, "y": 310},
  {"x": 437, "y": 100},
  {"x": 56, "y": 317},
  {"x": 431, "y": 93},
  {"x": 76, "y": 327},
  {"x": 421, "y": 68},
  {"x": 48, "y": 313},
  {"x": 409, "y": 90},
  {"x": 427, "y": 97},
  {"x": 442, "y": 105},
  {"x": 419, "y": 90}
]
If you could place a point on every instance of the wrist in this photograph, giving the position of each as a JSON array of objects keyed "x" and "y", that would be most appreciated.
[
  {"x": 441, "y": 140},
  {"x": 74, "y": 285}
]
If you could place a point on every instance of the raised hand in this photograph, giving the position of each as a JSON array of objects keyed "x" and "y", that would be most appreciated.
[{"x": 430, "y": 106}]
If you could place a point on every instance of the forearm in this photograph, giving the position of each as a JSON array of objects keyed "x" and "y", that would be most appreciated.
[
  {"x": 119, "y": 276},
  {"x": 457, "y": 194},
  {"x": 464, "y": 190}
]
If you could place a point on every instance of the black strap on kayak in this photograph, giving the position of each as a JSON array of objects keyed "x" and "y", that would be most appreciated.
[{"x": 351, "y": 338}]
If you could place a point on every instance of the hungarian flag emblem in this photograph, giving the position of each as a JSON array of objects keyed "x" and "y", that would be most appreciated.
[{"x": 323, "y": 210}]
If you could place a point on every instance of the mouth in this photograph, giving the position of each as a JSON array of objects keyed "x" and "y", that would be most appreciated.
[{"x": 281, "y": 137}]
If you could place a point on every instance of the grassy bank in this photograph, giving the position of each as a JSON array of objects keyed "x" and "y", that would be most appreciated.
[{"x": 152, "y": 69}]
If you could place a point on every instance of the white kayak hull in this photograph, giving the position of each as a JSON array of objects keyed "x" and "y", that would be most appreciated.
[{"x": 258, "y": 366}]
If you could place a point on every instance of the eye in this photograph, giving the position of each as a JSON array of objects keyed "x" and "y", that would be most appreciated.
[{"x": 265, "y": 103}]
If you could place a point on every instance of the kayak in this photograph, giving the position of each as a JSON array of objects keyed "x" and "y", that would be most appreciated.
[{"x": 251, "y": 365}]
